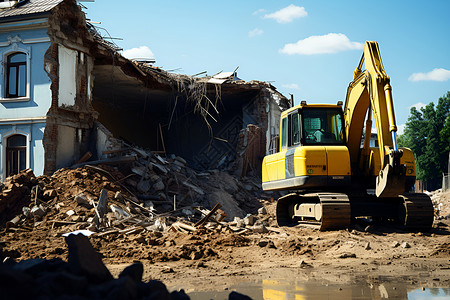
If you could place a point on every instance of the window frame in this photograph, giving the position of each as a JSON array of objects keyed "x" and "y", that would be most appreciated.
[
  {"x": 284, "y": 133},
  {"x": 16, "y": 155},
  {"x": 303, "y": 119},
  {"x": 15, "y": 49},
  {"x": 15, "y": 65},
  {"x": 294, "y": 141},
  {"x": 4, "y": 140}
]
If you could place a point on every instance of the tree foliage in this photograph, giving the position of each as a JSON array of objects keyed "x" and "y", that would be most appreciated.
[{"x": 427, "y": 133}]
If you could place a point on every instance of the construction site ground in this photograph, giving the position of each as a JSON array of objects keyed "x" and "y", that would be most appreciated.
[
  {"x": 218, "y": 255},
  {"x": 217, "y": 260}
]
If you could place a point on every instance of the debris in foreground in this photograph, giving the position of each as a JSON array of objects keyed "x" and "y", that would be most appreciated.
[{"x": 84, "y": 276}]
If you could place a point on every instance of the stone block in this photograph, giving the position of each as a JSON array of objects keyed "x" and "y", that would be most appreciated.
[
  {"x": 38, "y": 211},
  {"x": 262, "y": 211},
  {"x": 84, "y": 260}
]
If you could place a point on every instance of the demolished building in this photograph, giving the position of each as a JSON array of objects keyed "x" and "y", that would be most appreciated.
[{"x": 66, "y": 92}]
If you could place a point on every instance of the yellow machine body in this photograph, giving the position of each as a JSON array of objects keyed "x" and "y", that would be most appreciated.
[{"x": 324, "y": 158}]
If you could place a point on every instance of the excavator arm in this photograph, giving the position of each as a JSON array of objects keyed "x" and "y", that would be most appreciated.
[{"x": 370, "y": 94}]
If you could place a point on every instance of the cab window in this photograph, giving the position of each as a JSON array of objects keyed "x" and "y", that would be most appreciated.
[
  {"x": 295, "y": 129},
  {"x": 284, "y": 133},
  {"x": 323, "y": 126}
]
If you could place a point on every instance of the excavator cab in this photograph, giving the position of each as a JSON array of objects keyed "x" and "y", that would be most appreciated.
[
  {"x": 322, "y": 126},
  {"x": 313, "y": 153}
]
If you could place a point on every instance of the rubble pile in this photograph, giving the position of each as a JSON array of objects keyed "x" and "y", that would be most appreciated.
[
  {"x": 128, "y": 204},
  {"x": 441, "y": 203},
  {"x": 169, "y": 182},
  {"x": 83, "y": 276},
  {"x": 15, "y": 193}
]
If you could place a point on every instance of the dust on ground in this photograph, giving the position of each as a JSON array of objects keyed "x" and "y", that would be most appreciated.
[
  {"x": 205, "y": 260},
  {"x": 216, "y": 258}
]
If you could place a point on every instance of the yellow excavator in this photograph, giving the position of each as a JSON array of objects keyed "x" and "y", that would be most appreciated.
[{"x": 332, "y": 173}]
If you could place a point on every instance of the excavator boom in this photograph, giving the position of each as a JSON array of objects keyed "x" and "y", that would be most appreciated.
[{"x": 370, "y": 93}]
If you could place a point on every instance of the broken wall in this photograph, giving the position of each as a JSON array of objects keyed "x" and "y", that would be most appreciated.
[
  {"x": 185, "y": 116},
  {"x": 69, "y": 64},
  {"x": 210, "y": 142},
  {"x": 255, "y": 139}
]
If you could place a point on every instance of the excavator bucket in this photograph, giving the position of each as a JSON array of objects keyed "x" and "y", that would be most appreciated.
[{"x": 390, "y": 183}]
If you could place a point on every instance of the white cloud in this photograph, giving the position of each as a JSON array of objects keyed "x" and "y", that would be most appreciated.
[
  {"x": 321, "y": 44},
  {"x": 292, "y": 86},
  {"x": 287, "y": 14},
  {"x": 255, "y": 32},
  {"x": 140, "y": 52},
  {"x": 435, "y": 75},
  {"x": 418, "y": 106},
  {"x": 259, "y": 11},
  {"x": 401, "y": 129}
]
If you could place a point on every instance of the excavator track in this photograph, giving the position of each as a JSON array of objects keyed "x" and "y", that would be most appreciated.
[
  {"x": 332, "y": 211},
  {"x": 335, "y": 210},
  {"x": 416, "y": 213}
]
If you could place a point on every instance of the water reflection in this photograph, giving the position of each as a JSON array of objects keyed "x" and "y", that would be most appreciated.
[
  {"x": 393, "y": 288},
  {"x": 431, "y": 293},
  {"x": 278, "y": 289}
]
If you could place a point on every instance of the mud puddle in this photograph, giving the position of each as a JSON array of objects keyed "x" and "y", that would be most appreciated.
[{"x": 391, "y": 288}]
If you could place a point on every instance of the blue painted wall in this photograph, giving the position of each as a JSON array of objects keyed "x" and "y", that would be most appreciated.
[{"x": 26, "y": 117}]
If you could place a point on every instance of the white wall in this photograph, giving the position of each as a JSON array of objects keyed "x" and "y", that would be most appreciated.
[{"x": 67, "y": 76}]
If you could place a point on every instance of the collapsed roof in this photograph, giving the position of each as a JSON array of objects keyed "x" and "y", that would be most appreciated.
[{"x": 199, "y": 118}]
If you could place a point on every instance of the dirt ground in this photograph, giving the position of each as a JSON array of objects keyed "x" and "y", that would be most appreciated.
[
  {"x": 221, "y": 257},
  {"x": 217, "y": 260}
]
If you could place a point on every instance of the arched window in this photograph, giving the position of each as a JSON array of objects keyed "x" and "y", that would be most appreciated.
[
  {"x": 16, "y": 147},
  {"x": 16, "y": 75}
]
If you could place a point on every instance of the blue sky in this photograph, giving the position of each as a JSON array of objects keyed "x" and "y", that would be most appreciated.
[{"x": 326, "y": 40}]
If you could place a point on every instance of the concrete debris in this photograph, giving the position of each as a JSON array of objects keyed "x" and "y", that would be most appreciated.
[
  {"x": 85, "y": 261},
  {"x": 395, "y": 244},
  {"x": 260, "y": 228},
  {"x": 82, "y": 199},
  {"x": 38, "y": 211},
  {"x": 347, "y": 255},
  {"x": 405, "y": 245},
  {"x": 249, "y": 220},
  {"x": 84, "y": 276},
  {"x": 149, "y": 193},
  {"x": 262, "y": 211}
]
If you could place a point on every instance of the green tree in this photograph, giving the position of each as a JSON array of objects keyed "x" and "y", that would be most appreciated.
[{"x": 427, "y": 133}]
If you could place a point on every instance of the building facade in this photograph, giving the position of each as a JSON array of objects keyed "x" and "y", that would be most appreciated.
[{"x": 25, "y": 93}]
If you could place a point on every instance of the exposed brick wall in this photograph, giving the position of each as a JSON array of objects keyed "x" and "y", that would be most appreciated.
[
  {"x": 50, "y": 141},
  {"x": 67, "y": 28}
]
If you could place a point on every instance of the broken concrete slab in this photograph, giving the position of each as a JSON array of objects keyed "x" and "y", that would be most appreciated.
[
  {"x": 82, "y": 199},
  {"x": 259, "y": 228},
  {"x": 38, "y": 211},
  {"x": 158, "y": 185},
  {"x": 84, "y": 260},
  {"x": 144, "y": 185},
  {"x": 249, "y": 220},
  {"x": 262, "y": 211},
  {"x": 102, "y": 205}
]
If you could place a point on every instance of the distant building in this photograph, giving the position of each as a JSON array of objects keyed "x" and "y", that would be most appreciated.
[{"x": 373, "y": 140}]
